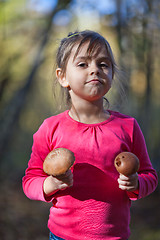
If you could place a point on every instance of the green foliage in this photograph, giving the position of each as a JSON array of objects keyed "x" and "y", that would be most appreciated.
[
  {"x": 28, "y": 44},
  {"x": 11, "y": 10}
]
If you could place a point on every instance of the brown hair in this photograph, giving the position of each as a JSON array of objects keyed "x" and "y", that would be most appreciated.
[{"x": 66, "y": 45}]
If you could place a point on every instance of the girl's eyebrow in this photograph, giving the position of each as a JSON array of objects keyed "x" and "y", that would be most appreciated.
[
  {"x": 101, "y": 58},
  {"x": 82, "y": 58},
  {"x": 104, "y": 58}
]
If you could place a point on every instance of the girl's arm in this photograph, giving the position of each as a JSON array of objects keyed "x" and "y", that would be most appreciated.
[
  {"x": 37, "y": 185},
  {"x": 34, "y": 178},
  {"x": 147, "y": 176}
]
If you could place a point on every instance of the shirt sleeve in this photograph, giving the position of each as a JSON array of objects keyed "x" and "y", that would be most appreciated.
[
  {"x": 147, "y": 175},
  {"x": 33, "y": 180}
]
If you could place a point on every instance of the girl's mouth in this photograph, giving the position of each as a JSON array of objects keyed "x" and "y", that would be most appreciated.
[{"x": 95, "y": 80}]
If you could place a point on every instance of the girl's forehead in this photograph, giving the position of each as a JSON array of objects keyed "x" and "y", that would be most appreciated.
[{"x": 85, "y": 50}]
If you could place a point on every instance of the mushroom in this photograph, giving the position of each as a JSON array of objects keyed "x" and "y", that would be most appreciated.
[
  {"x": 58, "y": 161},
  {"x": 126, "y": 163}
]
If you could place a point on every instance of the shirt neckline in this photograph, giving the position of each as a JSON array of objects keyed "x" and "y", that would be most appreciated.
[{"x": 90, "y": 124}]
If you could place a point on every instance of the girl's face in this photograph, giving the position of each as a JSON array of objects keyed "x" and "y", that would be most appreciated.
[{"x": 88, "y": 77}]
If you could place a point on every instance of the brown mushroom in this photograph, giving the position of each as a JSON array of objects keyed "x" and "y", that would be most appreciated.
[
  {"x": 58, "y": 161},
  {"x": 126, "y": 163}
]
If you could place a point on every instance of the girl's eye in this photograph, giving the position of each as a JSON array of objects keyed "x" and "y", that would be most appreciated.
[
  {"x": 104, "y": 65},
  {"x": 82, "y": 64}
]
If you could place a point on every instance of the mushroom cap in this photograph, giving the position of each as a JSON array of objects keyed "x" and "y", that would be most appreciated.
[
  {"x": 126, "y": 163},
  {"x": 58, "y": 161}
]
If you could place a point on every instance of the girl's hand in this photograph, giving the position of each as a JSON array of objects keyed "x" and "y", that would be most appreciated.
[
  {"x": 64, "y": 181},
  {"x": 53, "y": 184},
  {"x": 129, "y": 183}
]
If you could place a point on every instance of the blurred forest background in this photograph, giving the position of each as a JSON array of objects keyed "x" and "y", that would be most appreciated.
[{"x": 29, "y": 36}]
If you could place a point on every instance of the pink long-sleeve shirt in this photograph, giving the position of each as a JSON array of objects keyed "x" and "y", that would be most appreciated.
[{"x": 94, "y": 208}]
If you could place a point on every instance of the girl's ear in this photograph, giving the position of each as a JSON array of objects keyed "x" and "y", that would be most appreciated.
[{"x": 61, "y": 78}]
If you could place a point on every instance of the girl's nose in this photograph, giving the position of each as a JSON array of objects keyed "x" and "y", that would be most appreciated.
[{"x": 94, "y": 69}]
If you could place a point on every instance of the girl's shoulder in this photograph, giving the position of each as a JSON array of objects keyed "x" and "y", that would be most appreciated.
[
  {"x": 55, "y": 118},
  {"x": 117, "y": 114},
  {"x": 125, "y": 122},
  {"x": 52, "y": 122}
]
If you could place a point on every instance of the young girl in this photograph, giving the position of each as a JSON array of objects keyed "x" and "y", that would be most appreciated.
[{"x": 92, "y": 201}]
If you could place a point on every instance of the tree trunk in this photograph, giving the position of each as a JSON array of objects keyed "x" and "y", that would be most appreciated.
[{"x": 11, "y": 113}]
